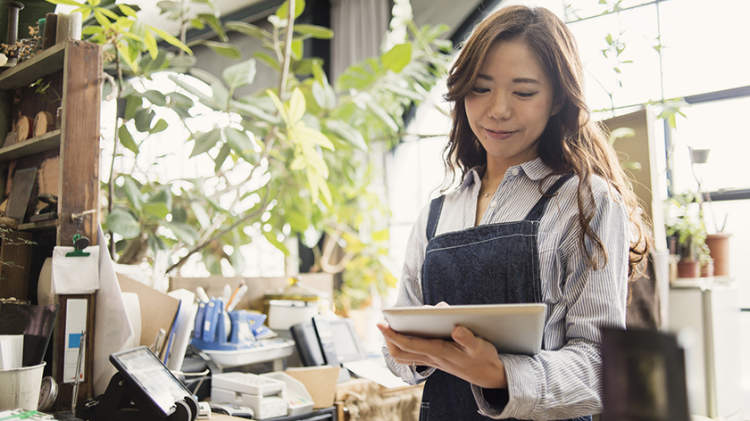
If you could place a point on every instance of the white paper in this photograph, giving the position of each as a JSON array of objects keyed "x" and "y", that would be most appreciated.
[
  {"x": 75, "y": 275},
  {"x": 183, "y": 326},
  {"x": 75, "y": 325},
  {"x": 113, "y": 331},
  {"x": 11, "y": 351},
  {"x": 376, "y": 370}
]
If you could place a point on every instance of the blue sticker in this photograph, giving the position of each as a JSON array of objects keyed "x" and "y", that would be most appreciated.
[{"x": 74, "y": 340}]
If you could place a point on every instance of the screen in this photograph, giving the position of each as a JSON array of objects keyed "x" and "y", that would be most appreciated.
[
  {"x": 152, "y": 376},
  {"x": 345, "y": 340}
]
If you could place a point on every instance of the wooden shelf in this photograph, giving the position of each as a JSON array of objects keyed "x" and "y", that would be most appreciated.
[
  {"x": 43, "y": 63},
  {"x": 35, "y": 226},
  {"x": 48, "y": 141}
]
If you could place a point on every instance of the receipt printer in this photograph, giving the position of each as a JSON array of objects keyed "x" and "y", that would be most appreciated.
[{"x": 263, "y": 394}]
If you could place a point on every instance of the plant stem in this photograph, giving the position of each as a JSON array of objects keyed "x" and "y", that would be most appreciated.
[{"x": 287, "y": 49}]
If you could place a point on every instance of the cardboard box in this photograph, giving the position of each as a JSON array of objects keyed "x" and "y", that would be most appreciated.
[
  {"x": 319, "y": 381},
  {"x": 158, "y": 311}
]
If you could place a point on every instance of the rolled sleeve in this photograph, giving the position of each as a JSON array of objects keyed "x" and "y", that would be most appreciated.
[{"x": 410, "y": 294}]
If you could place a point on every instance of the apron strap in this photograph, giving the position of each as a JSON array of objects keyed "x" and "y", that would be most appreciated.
[
  {"x": 436, "y": 207},
  {"x": 535, "y": 214}
]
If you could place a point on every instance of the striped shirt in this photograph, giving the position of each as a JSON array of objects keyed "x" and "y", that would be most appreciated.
[{"x": 562, "y": 381}]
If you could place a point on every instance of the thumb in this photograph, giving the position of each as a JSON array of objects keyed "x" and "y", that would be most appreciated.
[{"x": 464, "y": 337}]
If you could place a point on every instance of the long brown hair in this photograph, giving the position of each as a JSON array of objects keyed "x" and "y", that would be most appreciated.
[{"x": 570, "y": 142}]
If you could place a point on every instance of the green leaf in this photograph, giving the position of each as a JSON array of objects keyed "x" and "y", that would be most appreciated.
[
  {"x": 381, "y": 236},
  {"x": 296, "y": 107},
  {"x": 382, "y": 115},
  {"x": 150, "y": 41},
  {"x": 238, "y": 140},
  {"x": 126, "y": 139},
  {"x": 215, "y": 24},
  {"x": 180, "y": 100},
  {"x": 127, "y": 10},
  {"x": 108, "y": 13},
  {"x": 68, "y": 2},
  {"x": 314, "y": 31},
  {"x": 240, "y": 74},
  {"x": 101, "y": 19},
  {"x": 221, "y": 157},
  {"x": 271, "y": 237},
  {"x": 157, "y": 210},
  {"x": 283, "y": 11},
  {"x": 132, "y": 104},
  {"x": 248, "y": 29},
  {"x": 347, "y": 132},
  {"x": 200, "y": 213},
  {"x": 170, "y": 39},
  {"x": 155, "y": 97},
  {"x": 183, "y": 232},
  {"x": 268, "y": 60},
  {"x": 143, "y": 119},
  {"x": 226, "y": 50},
  {"x": 123, "y": 223},
  {"x": 397, "y": 57},
  {"x": 220, "y": 95},
  {"x": 250, "y": 110},
  {"x": 133, "y": 192},
  {"x": 160, "y": 126},
  {"x": 155, "y": 243},
  {"x": 197, "y": 23},
  {"x": 205, "y": 141},
  {"x": 297, "y": 48}
]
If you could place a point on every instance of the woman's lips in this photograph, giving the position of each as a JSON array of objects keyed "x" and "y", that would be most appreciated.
[{"x": 499, "y": 134}]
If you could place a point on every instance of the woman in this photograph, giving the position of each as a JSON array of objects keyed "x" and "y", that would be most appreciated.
[{"x": 543, "y": 214}]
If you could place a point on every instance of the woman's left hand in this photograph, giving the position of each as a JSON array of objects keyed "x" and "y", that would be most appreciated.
[{"x": 468, "y": 357}]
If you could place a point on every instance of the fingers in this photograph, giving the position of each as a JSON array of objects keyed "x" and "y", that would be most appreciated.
[
  {"x": 442, "y": 304},
  {"x": 464, "y": 337},
  {"x": 399, "y": 354}
]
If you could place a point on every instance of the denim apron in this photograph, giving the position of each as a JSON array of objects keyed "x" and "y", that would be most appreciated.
[{"x": 487, "y": 264}]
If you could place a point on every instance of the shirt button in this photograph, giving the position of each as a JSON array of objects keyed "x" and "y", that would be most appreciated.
[{"x": 515, "y": 171}]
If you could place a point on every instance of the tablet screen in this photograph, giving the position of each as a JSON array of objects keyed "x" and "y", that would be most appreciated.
[{"x": 152, "y": 376}]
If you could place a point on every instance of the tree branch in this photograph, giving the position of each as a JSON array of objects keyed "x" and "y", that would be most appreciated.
[
  {"x": 287, "y": 49},
  {"x": 218, "y": 235}
]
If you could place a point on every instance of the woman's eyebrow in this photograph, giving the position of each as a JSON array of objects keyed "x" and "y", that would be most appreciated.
[
  {"x": 525, "y": 80},
  {"x": 489, "y": 78}
]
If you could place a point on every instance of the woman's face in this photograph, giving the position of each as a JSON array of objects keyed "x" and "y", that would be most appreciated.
[{"x": 510, "y": 103}]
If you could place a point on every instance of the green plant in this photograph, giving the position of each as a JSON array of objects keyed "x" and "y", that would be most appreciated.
[
  {"x": 291, "y": 161},
  {"x": 687, "y": 228}
]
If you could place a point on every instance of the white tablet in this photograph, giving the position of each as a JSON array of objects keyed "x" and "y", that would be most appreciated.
[{"x": 513, "y": 328}]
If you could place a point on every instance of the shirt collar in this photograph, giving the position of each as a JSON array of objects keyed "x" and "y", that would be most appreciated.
[{"x": 535, "y": 169}]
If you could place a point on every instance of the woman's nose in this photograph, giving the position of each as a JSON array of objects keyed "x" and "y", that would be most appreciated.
[{"x": 499, "y": 107}]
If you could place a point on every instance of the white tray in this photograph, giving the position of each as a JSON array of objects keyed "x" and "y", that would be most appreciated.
[{"x": 271, "y": 349}]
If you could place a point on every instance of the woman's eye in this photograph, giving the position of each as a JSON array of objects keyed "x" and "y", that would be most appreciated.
[
  {"x": 525, "y": 94},
  {"x": 478, "y": 90}
]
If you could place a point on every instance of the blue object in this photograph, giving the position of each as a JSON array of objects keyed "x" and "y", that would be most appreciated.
[
  {"x": 246, "y": 329},
  {"x": 74, "y": 340},
  {"x": 199, "y": 317}
]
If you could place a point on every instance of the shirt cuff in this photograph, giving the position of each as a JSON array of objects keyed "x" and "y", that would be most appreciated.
[
  {"x": 524, "y": 390},
  {"x": 409, "y": 373}
]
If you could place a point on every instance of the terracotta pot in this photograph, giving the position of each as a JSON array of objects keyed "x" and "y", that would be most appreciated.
[
  {"x": 688, "y": 269},
  {"x": 707, "y": 269},
  {"x": 718, "y": 244}
]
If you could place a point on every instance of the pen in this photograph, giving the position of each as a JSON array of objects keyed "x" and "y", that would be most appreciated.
[
  {"x": 236, "y": 297},
  {"x": 81, "y": 344}
]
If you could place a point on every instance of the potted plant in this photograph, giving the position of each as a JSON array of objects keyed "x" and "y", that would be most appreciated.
[{"x": 686, "y": 236}]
